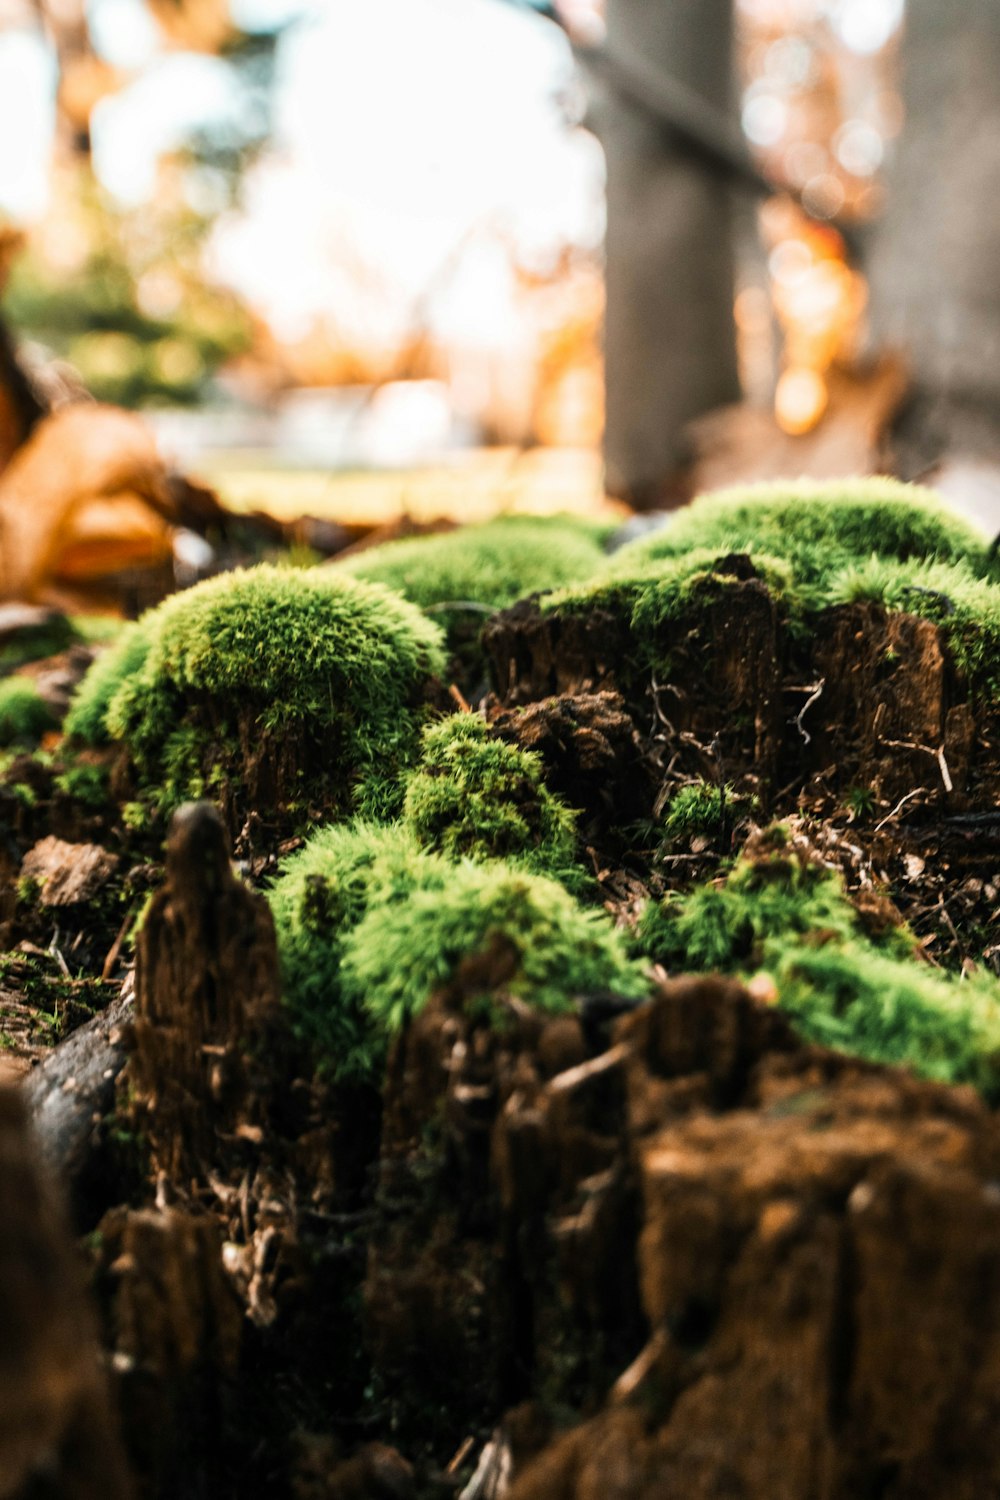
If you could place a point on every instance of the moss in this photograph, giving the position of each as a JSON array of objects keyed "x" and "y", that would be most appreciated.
[
  {"x": 85, "y": 784},
  {"x": 699, "y": 808},
  {"x": 525, "y": 934},
  {"x": 462, "y": 576},
  {"x": 816, "y": 527},
  {"x": 856, "y": 999},
  {"x": 87, "y": 717},
  {"x": 728, "y": 923},
  {"x": 369, "y": 926},
  {"x": 24, "y": 714},
  {"x": 322, "y": 893},
  {"x": 812, "y": 546},
  {"x": 783, "y": 913},
  {"x": 476, "y": 796},
  {"x": 275, "y": 688},
  {"x": 36, "y": 642}
]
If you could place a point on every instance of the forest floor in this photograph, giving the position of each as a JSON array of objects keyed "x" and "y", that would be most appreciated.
[{"x": 725, "y": 1229}]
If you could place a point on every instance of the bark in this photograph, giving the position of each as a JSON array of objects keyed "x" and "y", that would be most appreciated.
[
  {"x": 670, "y": 341},
  {"x": 935, "y": 254}
]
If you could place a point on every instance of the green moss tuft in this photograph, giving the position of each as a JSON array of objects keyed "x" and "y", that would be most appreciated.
[
  {"x": 274, "y": 688},
  {"x": 87, "y": 717},
  {"x": 322, "y": 893},
  {"x": 816, "y": 527},
  {"x": 699, "y": 808},
  {"x": 889, "y": 1010},
  {"x": 525, "y": 934},
  {"x": 24, "y": 714},
  {"x": 369, "y": 926},
  {"x": 782, "y": 913},
  {"x": 475, "y": 796},
  {"x": 462, "y": 576}
]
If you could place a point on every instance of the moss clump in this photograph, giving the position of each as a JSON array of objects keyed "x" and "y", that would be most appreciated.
[
  {"x": 697, "y": 809},
  {"x": 509, "y": 932},
  {"x": 24, "y": 714},
  {"x": 87, "y": 717},
  {"x": 475, "y": 796},
  {"x": 462, "y": 576},
  {"x": 783, "y": 913},
  {"x": 816, "y": 527},
  {"x": 275, "y": 689},
  {"x": 321, "y": 895},
  {"x": 369, "y": 926},
  {"x": 85, "y": 784},
  {"x": 852, "y": 997}
]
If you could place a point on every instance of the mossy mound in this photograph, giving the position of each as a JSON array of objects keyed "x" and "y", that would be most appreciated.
[
  {"x": 462, "y": 576},
  {"x": 816, "y": 527},
  {"x": 475, "y": 796},
  {"x": 491, "y": 931},
  {"x": 24, "y": 714},
  {"x": 369, "y": 926},
  {"x": 277, "y": 691},
  {"x": 781, "y": 914},
  {"x": 811, "y": 546},
  {"x": 321, "y": 895},
  {"x": 113, "y": 669}
]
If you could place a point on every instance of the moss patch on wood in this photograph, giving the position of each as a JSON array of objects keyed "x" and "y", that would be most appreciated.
[{"x": 276, "y": 691}]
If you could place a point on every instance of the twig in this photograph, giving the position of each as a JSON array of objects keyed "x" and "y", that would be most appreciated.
[
  {"x": 455, "y": 693},
  {"x": 116, "y": 946},
  {"x": 460, "y": 1456},
  {"x": 572, "y": 1078},
  {"x": 937, "y": 755},
  {"x": 900, "y": 804},
  {"x": 815, "y": 695}
]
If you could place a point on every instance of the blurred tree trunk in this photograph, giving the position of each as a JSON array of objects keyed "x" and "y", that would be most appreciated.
[
  {"x": 670, "y": 340},
  {"x": 935, "y": 255}
]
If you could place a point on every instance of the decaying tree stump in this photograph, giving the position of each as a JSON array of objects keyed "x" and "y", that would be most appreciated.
[
  {"x": 207, "y": 992},
  {"x": 57, "y": 1435}
]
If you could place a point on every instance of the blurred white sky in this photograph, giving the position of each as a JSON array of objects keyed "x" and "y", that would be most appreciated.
[{"x": 404, "y": 129}]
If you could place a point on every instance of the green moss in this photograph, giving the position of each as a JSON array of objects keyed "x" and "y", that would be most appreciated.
[
  {"x": 36, "y": 642},
  {"x": 85, "y": 784},
  {"x": 816, "y": 527},
  {"x": 369, "y": 926},
  {"x": 273, "y": 686},
  {"x": 539, "y": 944},
  {"x": 322, "y": 893},
  {"x": 856, "y": 999},
  {"x": 728, "y": 923},
  {"x": 87, "y": 717},
  {"x": 24, "y": 714},
  {"x": 787, "y": 915},
  {"x": 462, "y": 576},
  {"x": 697, "y": 809},
  {"x": 474, "y": 796}
]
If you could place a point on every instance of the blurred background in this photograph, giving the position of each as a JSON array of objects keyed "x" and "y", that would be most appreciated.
[{"x": 354, "y": 259}]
